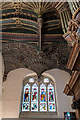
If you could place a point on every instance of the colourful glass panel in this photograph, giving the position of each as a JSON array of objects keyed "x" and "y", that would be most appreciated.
[
  {"x": 51, "y": 98},
  {"x": 26, "y": 98},
  {"x": 34, "y": 98},
  {"x": 43, "y": 99},
  {"x": 46, "y": 80},
  {"x": 31, "y": 80},
  {"x": 51, "y": 107},
  {"x": 43, "y": 107},
  {"x": 34, "y": 106},
  {"x": 25, "y": 106}
]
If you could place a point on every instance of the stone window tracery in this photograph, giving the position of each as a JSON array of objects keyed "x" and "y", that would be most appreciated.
[{"x": 38, "y": 95}]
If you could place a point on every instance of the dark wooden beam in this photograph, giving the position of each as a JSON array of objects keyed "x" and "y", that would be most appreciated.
[{"x": 75, "y": 53}]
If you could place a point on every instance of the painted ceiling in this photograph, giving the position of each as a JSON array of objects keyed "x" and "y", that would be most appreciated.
[
  {"x": 21, "y": 36},
  {"x": 21, "y": 17}
]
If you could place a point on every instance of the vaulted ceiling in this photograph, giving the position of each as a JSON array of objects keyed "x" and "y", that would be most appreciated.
[
  {"x": 22, "y": 36},
  {"x": 21, "y": 17}
]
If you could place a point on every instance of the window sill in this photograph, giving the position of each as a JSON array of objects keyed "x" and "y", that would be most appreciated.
[{"x": 38, "y": 115}]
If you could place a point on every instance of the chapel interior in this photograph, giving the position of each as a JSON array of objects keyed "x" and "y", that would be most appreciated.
[{"x": 40, "y": 59}]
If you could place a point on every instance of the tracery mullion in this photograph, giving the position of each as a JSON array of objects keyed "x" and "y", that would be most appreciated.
[
  {"x": 30, "y": 96},
  {"x": 38, "y": 94},
  {"x": 47, "y": 95},
  {"x": 55, "y": 97},
  {"x": 22, "y": 96},
  {"x": 39, "y": 97}
]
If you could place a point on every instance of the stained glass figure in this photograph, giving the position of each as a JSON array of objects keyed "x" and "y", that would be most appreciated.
[
  {"x": 31, "y": 80},
  {"x": 34, "y": 98},
  {"x": 51, "y": 95},
  {"x": 26, "y": 98},
  {"x": 46, "y": 80},
  {"x": 43, "y": 100},
  {"x": 51, "y": 98},
  {"x": 43, "y": 107},
  {"x": 26, "y": 95}
]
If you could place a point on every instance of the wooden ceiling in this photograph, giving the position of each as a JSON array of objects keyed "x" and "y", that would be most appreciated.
[
  {"x": 20, "y": 37},
  {"x": 21, "y": 17}
]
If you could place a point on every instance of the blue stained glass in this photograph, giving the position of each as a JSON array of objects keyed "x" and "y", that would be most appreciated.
[
  {"x": 43, "y": 107},
  {"x": 25, "y": 106},
  {"x": 43, "y": 98},
  {"x": 51, "y": 95},
  {"x": 34, "y": 98},
  {"x": 43, "y": 93},
  {"x": 51, "y": 98},
  {"x": 26, "y": 95},
  {"x": 51, "y": 107},
  {"x": 46, "y": 98},
  {"x": 34, "y": 106},
  {"x": 26, "y": 98}
]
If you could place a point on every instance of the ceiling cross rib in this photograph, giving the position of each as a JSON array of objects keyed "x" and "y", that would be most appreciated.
[{"x": 39, "y": 32}]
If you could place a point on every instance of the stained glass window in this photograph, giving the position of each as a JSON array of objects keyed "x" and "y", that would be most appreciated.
[
  {"x": 43, "y": 98},
  {"x": 34, "y": 98},
  {"x": 26, "y": 98},
  {"x": 51, "y": 98},
  {"x": 31, "y": 80},
  {"x": 46, "y": 80},
  {"x": 38, "y": 95}
]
